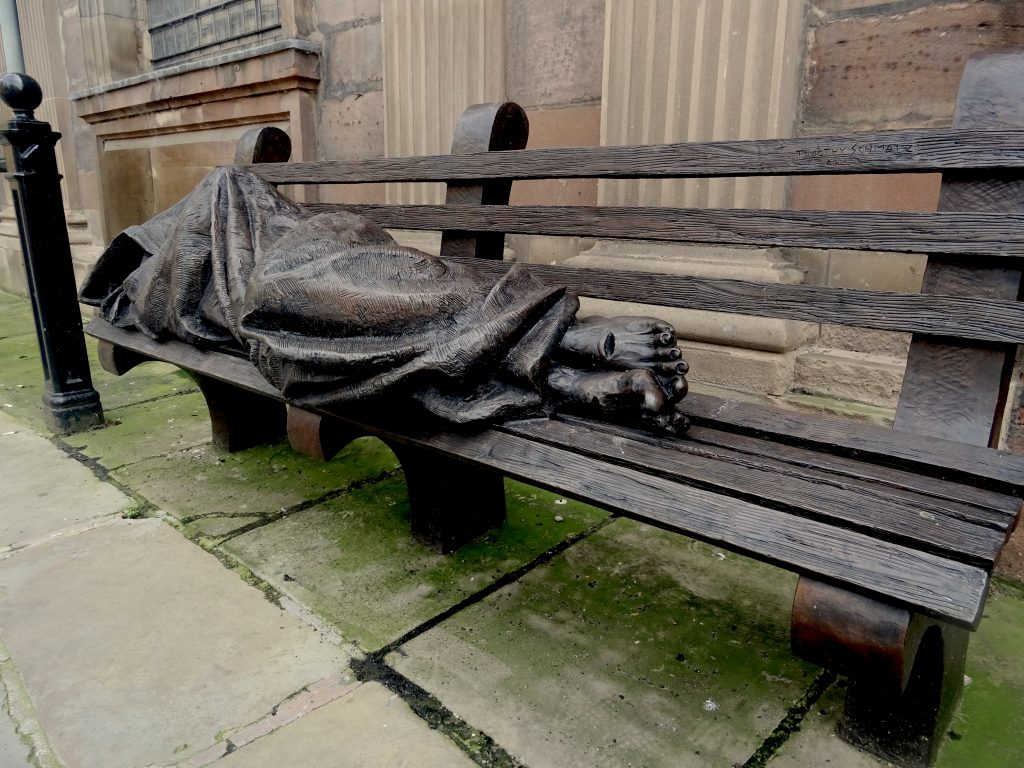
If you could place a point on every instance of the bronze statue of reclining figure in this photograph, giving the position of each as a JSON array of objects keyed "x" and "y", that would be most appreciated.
[{"x": 331, "y": 309}]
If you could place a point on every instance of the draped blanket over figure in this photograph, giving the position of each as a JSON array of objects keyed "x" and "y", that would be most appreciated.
[{"x": 328, "y": 306}]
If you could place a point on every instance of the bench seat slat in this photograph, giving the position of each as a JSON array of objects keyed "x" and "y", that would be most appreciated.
[
  {"x": 927, "y": 497},
  {"x": 914, "y": 521},
  {"x": 988, "y": 468},
  {"x": 998, "y": 505},
  {"x": 973, "y": 318},
  {"x": 947, "y": 589},
  {"x": 976, "y": 234},
  {"x": 976, "y": 465},
  {"x": 876, "y": 152},
  {"x": 944, "y": 588}
]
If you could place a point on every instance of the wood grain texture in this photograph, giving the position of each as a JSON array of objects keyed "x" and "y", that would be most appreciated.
[
  {"x": 977, "y": 465},
  {"x": 949, "y": 530},
  {"x": 939, "y": 315},
  {"x": 998, "y": 506},
  {"x": 944, "y": 588},
  {"x": 957, "y": 390},
  {"x": 875, "y": 152},
  {"x": 483, "y": 128},
  {"x": 958, "y": 501},
  {"x": 216, "y": 365},
  {"x": 972, "y": 234}
]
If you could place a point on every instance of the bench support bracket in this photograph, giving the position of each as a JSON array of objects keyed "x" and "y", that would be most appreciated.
[
  {"x": 905, "y": 670},
  {"x": 450, "y": 502}
]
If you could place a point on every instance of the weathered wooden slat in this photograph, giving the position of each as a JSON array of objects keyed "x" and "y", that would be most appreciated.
[
  {"x": 974, "y": 379},
  {"x": 956, "y": 500},
  {"x": 976, "y": 465},
  {"x": 912, "y": 520},
  {"x": 217, "y": 365},
  {"x": 951, "y": 316},
  {"x": 974, "y": 234},
  {"x": 878, "y": 152},
  {"x": 1002, "y": 509},
  {"x": 943, "y": 588}
]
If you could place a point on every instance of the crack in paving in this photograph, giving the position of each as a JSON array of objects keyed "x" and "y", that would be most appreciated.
[
  {"x": 142, "y": 507},
  {"x": 477, "y": 745},
  {"x": 301, "y": 506},
  {"x": 20, "y": 709},
  {"x": 499, "y": 583},
  {"x": 154, "y": 399},
  {"x": 791, "y": 722}
]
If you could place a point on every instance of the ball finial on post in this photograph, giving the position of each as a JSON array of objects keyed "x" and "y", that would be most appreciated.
[{"x": 21, "y": 93}]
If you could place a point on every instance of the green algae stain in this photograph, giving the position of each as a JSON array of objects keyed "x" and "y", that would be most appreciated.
[
  {"x": 353, "y": 560},
  {"x": 986, "y": 732},
  {"x": 631, "y": 645}
]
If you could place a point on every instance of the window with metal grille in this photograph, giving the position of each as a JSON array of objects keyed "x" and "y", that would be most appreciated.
[{"x": 183, "y": 26}]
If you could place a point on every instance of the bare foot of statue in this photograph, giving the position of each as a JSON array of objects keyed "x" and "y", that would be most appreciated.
[
  {"x": 628, "y": 343},
  {"x": 639, "y": 391}
]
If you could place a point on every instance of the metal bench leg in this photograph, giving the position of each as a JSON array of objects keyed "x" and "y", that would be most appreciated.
[
  {"x": 905, "y": 670},
  {"x": 239, "y": 418},
  {"x": 450, "y": 502}
]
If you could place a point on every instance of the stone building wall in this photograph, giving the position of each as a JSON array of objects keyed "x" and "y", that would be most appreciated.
[{"x": 353, "y": 79}]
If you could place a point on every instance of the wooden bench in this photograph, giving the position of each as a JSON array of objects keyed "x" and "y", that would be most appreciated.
[{"x": 894, "y": 532}]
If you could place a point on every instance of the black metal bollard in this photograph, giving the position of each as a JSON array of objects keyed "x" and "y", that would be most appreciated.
[{"x": 70, "y": 402}]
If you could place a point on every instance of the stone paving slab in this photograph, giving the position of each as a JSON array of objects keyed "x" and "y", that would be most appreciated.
[
  {"x": 354, "y": 562},
  {"x": 13, "y": 751},
  {"x": 368, "y": 727},
  {"x": 261, "y": 481},
  {"x": 44, "y": 489},
  {"x": 138, "y": 648},
  {"x": 138, "y": 432},
  {"x": 633, "y": 647}
]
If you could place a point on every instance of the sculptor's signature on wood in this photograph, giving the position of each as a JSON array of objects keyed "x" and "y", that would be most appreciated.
[{"x": 839, "y": 154}]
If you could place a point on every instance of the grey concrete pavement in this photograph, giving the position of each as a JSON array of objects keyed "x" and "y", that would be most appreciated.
[{"x": 44, "y": 489}]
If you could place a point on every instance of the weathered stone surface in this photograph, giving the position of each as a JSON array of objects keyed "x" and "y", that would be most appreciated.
[
  {"x": 553, "y": 51},
  {"x": 866, "y": 340},
  {"x": 261, "y": 481},
  {"x": 139, "y": 432},
  {"x": 331, "y": 13},
  {"x": 352, "y": 560},
  {"x": 855, "y": 376},
  {"x": 137, "y": 648},
  {"x": 569, "y": 127},
  {"x": 871, "y": 271},
  {"x": 352, "y": 129},
  {"x": 370, "y": 726},
  {"x": 901, "y": 68},
  {"x": 13, "y": 751},
  {"x": 635, "y": 646},
  {"x": 37, "y": 502},
  {"x": 737, "y": 370},
  {"x": 354, "y": 59}
]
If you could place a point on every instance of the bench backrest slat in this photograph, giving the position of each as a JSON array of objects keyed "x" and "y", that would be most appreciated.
[
  {"x": 950, "y": 233},
  {"x": 877, "y": 152},
  {"x": 979, "y": 319}
]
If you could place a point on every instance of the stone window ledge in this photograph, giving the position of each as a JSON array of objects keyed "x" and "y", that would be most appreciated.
[{"x": 271, "y": 67}]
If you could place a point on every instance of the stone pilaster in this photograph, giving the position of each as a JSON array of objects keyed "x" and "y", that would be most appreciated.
[{"x": 705, "y": 70}]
